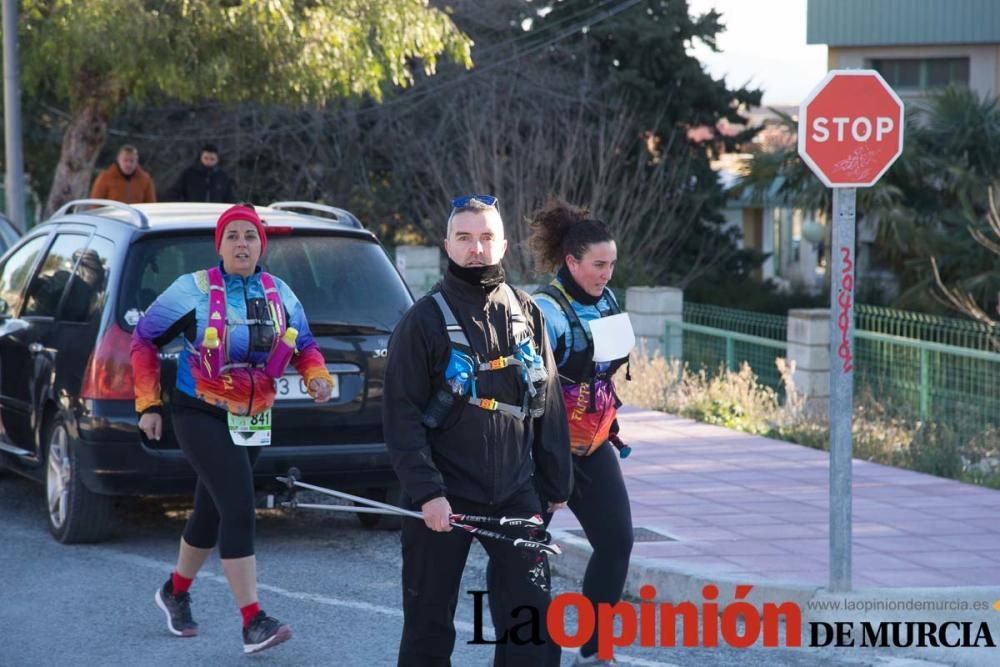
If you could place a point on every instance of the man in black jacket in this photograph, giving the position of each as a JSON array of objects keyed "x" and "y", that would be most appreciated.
[
  {"x": 478, "y": 460},
  {"x": 204, "y": 180}
]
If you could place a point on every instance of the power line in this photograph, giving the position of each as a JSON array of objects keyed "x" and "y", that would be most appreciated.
[
  {"x": 417, "y": 96},
  {"x": 466, "y": 76},
  {"x": 548, "y": 26},
  {"x": 412, "y": 99}
]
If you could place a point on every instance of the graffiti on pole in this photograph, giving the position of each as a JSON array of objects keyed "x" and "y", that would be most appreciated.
[{"x": 844, "y": 299}]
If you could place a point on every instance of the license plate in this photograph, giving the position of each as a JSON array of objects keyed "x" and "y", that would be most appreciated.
[{"x": 293, "y": 388}]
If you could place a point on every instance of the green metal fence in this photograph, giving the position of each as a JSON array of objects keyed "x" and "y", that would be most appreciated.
[
  {"x": 714, "y": 336},
  {"x": 932, "y": 368},
  {"x": 906, "y": 324},
  {"x": 762, "y": 325},
  {"x": 954, "y": 386},
  {"x": 940, "y": 369}
]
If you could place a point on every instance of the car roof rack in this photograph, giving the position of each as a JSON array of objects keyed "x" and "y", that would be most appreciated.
[
  {"x": 136, "y": 217},
  {"x": 338, "y": 214}
]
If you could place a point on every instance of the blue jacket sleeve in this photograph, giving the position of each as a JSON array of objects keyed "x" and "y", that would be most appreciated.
[
  {"x": 169, "y": 308},
  {"x": 556, "y": 325},
  {"x": 174, "y": 303}
]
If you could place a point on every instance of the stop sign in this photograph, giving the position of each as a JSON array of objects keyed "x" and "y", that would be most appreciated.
[{"x": 851, "y": 128}]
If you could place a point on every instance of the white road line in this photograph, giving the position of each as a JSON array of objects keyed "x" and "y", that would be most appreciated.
[
  {"x": 205, "y": 574},
  {"x": 461, "y": 626}
]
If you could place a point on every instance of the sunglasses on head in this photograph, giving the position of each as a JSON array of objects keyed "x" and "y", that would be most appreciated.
[{"x": 485, "y": 200}]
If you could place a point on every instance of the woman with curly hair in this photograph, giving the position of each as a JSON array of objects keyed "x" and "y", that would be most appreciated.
[{"x": 580, "y": 250}]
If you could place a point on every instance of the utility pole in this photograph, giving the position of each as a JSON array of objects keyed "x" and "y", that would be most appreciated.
[{"x": 14, "y": 178}]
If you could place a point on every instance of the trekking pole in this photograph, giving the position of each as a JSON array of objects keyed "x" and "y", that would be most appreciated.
[
  {"x": 292, "y": 480},
  {"x": 376, "y": 507},
  {"x": 535, "y": 521},
  {"x": 295, "y": 505},
  {"x": 514, "y": 522},
  {"x": 535, "y": 545},
  {"x": 544, "y": 547}
]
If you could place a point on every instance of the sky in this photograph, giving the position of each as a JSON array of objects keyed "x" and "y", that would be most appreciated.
[{"x": 764, "y": 44}]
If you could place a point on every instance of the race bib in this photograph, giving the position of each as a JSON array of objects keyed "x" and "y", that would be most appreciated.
[
  {"x": 254, "y": 431},
  {"x": 613, "y": 336}
]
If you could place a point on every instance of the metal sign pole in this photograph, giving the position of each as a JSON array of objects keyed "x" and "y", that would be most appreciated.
[
  {"x": 841, "y": 385},
  {"x": 14, "y": 180}
]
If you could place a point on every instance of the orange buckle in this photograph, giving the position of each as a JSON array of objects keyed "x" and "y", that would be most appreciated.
[
  {"x": 497, "y": 364},
  {"x": 488, "y": 403}
]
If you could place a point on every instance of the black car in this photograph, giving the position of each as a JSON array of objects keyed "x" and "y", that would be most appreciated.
[{"x": 72, "y": 290}]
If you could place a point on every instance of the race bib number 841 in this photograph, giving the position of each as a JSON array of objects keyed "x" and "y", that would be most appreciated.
[{"x": 252, "y": 431}]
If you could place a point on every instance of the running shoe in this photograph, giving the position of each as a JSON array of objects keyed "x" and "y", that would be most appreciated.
[{"x": 264, "y": 632}]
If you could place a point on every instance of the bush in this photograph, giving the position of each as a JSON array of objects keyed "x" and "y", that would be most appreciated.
[
  {"x": 881, "y": 434},
  {"x": 731, "y": 399}
]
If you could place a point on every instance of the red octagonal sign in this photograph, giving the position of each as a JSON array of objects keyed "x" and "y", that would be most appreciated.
[{"x": 851, "y": 128}]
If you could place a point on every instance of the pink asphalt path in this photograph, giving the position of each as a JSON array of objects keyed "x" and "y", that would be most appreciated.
[{"x": 751, "y": 508}]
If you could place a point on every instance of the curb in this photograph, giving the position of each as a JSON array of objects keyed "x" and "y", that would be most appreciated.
[
  {"x": 677, "y": 583},
  {"x": 673, "y": 583}
]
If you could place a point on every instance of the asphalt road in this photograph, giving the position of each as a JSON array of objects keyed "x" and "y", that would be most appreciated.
[{"x": 336, "y": 583}]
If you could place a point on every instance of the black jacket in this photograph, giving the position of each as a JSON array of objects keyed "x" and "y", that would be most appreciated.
[
  {"x": 478, "y": 455},
  {"x": 199, "y": 183}
]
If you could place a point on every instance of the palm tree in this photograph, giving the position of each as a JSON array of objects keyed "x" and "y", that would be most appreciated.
[
  {"x": 944, "y": 180},
  {"x": 931, "y": 204}
]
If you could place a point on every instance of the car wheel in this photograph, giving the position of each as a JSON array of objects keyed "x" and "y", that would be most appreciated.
[
  {"x": 392, "y": 496},
  {"x": 76, "y": 514}
]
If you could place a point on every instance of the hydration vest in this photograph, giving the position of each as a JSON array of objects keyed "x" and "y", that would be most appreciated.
[
  {"x": 588, "y": 395},
  {"x": 579, "y": 365},
  {"x": 522, "y": 335},
  {"x": 217, "y": 315}
]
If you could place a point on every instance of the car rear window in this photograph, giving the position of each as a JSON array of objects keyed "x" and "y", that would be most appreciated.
[{"x": 338, "y": 279}]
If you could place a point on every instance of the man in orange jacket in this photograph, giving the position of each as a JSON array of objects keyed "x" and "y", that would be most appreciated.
[{"x": 125, "y": 180}]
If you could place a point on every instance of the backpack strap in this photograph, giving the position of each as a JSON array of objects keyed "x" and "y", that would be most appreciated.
[
  {"x": 577, "y": 367},
  {"x": 218, "y": 310},
  {"x": 612, "y": 301},
  {"x": 556, "y": 292},
  {"x": 274, "y": 305},
  {"x": 217, "y": 307},
  {"x": 458, "y": 339},
  {"x": 455, "y": 332},
  {"x": 519, "y": 331}
]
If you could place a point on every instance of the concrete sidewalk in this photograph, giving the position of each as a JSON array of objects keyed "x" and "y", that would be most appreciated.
[{"x": 720, "y": 506}]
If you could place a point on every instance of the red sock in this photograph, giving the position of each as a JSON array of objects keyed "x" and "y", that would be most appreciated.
[
  {"x": 180, "y": 584},
  {"x": 249, "y": 612}
]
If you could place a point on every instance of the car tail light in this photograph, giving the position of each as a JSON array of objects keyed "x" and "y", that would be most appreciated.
[
  {"x": 109, "y": 371},
  {"x": 278, "y": 229}
]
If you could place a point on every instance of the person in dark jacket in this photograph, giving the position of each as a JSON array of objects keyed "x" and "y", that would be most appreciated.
[
  {"x": 204, "y": 180},
  {"x": 476, "y": 460}
]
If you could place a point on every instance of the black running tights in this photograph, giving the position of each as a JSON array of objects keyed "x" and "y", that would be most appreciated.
[
  {"x": 600, "y": 503},
  {"x": 224, "y": 506}
]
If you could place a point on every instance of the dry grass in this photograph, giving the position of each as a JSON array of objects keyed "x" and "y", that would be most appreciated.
[
  {"x": 735, "y": 399},
  {"x": 727, "y": 398}
]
